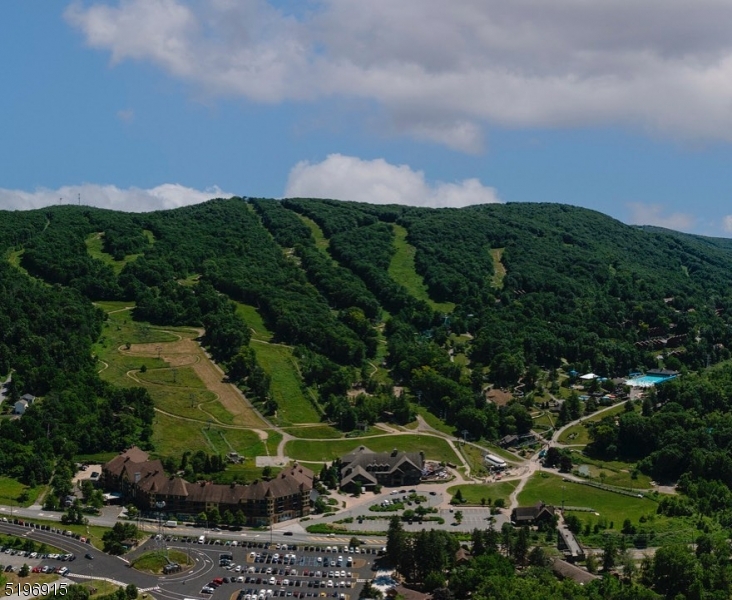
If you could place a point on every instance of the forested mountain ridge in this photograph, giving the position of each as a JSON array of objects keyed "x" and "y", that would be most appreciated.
[{"x": 581, "y": 291}]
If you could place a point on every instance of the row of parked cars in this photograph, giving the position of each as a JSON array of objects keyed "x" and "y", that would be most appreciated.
[
  {"x": 253, "y": 594},
  {"x": 28, "y": 554},
  {"x": 61, "y": 570},
  {"x": 276, "y": 558},
  {"x": 272, "y": 580}
]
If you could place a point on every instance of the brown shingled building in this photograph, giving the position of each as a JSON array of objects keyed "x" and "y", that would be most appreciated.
[
  {"x": 391, "y": 469},
  {"x": 145, "y": 483}
]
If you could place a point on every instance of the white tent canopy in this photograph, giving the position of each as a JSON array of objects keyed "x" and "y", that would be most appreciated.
[{"x": 589, "y": 376}]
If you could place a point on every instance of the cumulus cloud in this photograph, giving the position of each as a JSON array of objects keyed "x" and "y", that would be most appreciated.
[
  {"x": 379, "y": 182},
  {"x": 727, "y": 223},
  {"x": 653, "y": 214},
  {"x": 440, "y": 70},
  {"x": 168, "y": 195}
]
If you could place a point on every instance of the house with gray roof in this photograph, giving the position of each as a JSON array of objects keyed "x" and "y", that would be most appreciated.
[
  {"x": 389, "y": 469},
  {"x": 532, "y": 515}
]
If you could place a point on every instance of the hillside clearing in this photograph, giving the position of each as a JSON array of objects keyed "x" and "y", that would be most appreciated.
[{"x": 403, "y": 271}]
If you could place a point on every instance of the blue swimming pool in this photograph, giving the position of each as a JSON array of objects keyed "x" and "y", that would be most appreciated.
[{"x": 648, "y": 380}]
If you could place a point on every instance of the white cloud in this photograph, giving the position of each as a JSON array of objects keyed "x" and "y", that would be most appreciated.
[
  {"x": 653, "y": 214},
  {"x": 379, "y": 182},
  {"x": 444, "y": 70},
  {"x": 168, "y": 195},
  {"x": 727, "y": 223}
]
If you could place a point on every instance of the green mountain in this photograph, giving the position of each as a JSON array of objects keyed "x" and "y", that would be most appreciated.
[{"x": 440, "y": 302}]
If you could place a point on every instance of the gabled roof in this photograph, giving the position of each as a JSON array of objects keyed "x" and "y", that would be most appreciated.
[
  {"x": 358, "y": 473},
  {"x": 462, "y": 555},
  {"x": 381, "y": 462},
  {"x": 569, "y": 571},
  {"x": 531, "y": 513}
]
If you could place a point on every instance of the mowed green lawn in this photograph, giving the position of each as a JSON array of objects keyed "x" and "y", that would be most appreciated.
[
  {"x": 403, "y": 271},
  {"x": 575, "y": 435},
  {"x": 252, "y": 318},
  {"x": 10, "y": 490},
  {"x": 434, "y": 421},
  {"x": 327, "y": 450},
  {"x": 320, "y": 240},
  {"x": 613, "y": 507},
  {"x": 173, "y": 437},
  {"x": 279, "y": 363},
  {"x": 316, "y": 432},
  {"x": 474, "y": 494}
]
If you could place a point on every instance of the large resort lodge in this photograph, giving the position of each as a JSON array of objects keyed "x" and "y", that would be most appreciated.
[{"x": 145, "y": 483}]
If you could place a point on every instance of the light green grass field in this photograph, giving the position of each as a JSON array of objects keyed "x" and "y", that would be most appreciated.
[
  {"x": 118, "y": 330},
  {"x": 320, "y": 451},
  {"x": 14, "y": 259},
  {"x": 10, "y": 490},
  {"x": 316, "y": 432},
  {"x": 320, "y": 240},
  {"x": 252, "y": 318},
  {"x": 180, "y": 393},
  {"x": 434, "y": 421},
  {"x": 575, "y": 435},
  {"x": 617, "y": 473},
  {"x": 544, "y": 421},
  {"x": 499, "y": 269},
  {"x": 173, "y": 437},
  {"x": 473, "y": 494},
  {"x": 94, "y": 245},
  {"x": 403, "y": 271},
  {"x": 279, "y": 363},
  {"x": 180, "y": 377},
  {"x": 474, "y": 457},
  {"x": 170, "y": 392},
  {"x": 614, "y": 507}
]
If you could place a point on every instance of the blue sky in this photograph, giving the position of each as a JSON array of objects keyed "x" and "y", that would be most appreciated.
[{"x": 619, "y": 106}]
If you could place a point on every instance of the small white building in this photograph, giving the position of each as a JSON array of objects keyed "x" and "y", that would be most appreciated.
[{"x": 495, "y": 462}]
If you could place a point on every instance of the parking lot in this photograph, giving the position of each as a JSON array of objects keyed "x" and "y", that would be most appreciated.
[
  {"x": 258, "y": 570},
  {"x": 222, "y": 569}
]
